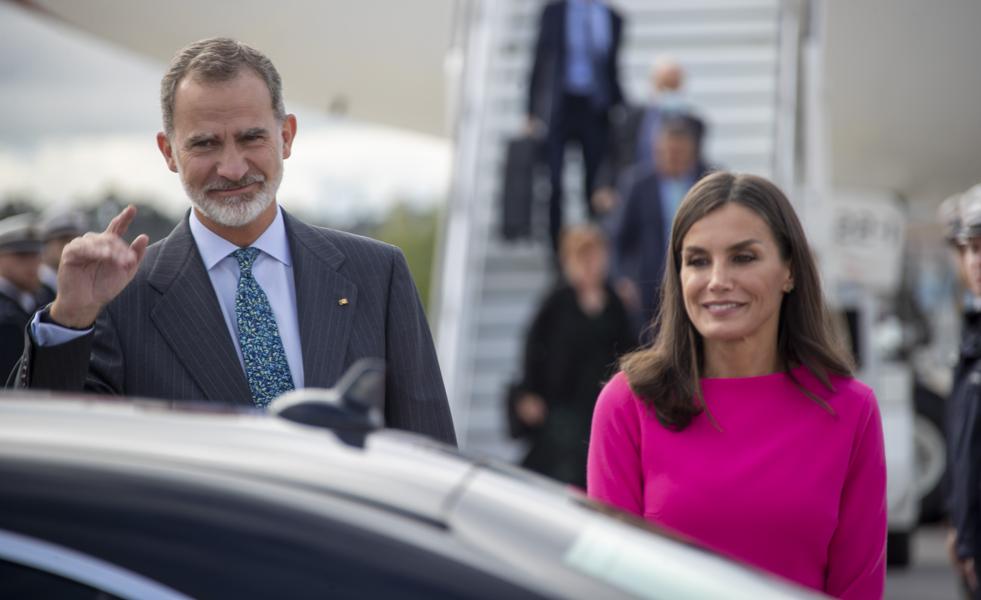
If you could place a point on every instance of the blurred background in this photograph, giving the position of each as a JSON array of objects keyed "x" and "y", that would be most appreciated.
[{"x": 866, "y": 113}]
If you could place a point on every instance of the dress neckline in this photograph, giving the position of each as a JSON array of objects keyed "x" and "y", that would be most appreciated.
[{"x": 776, "y": 376}]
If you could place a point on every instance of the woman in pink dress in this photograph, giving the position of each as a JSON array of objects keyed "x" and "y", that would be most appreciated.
[{"x": 742, "y": 427}]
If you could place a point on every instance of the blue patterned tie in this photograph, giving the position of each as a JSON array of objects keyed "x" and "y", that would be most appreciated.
[{"x": 262, "y": 349}]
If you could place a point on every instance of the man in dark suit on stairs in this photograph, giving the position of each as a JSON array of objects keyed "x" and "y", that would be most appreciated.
[
  {"x": 242, "y": 301},
  {"x": 574, "y": 86},
  {"x": 640, "y": 225}
]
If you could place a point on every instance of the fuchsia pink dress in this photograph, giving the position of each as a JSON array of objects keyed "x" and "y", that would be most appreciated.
[{"x": 781, "y": 483}]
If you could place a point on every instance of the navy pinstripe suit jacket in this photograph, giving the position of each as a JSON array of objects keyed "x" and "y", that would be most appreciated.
[{"x": 164, "y": 335}]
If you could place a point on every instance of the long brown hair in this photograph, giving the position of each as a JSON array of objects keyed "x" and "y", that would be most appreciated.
[{"x": 666, "y": 374}]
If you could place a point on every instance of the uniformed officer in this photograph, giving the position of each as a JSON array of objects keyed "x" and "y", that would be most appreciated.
[
  {"x": 57, "y": 228},
  {"x": 964, "y": 404},
  {"x": 20, "y": 259}
]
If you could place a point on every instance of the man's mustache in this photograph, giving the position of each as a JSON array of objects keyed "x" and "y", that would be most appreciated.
[{"x": 225, "y": 184}]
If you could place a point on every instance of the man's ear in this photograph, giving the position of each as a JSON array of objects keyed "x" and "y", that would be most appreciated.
[
  {"x": 288, "y": 133},
  {"x": 163, "y": 142}
]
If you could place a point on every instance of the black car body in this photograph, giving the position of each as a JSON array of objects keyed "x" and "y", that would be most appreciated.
[{"x": 108, "y": 498}]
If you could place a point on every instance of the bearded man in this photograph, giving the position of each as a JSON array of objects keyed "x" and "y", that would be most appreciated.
[{"x": 242, "y": 301}]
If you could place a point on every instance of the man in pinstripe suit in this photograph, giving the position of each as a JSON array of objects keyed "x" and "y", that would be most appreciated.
[{"x": 172, "y": 321}]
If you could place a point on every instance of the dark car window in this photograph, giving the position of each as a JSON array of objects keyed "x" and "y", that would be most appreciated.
[
  {"x": 20, "y": 581},
  {"x": 210, "y": 538}
]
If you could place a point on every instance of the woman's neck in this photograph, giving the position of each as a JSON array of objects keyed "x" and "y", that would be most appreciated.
[{"x": 729, "y": 360}]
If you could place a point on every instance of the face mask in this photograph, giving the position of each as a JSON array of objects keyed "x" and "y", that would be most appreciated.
[{"x": 671, "y": 102}]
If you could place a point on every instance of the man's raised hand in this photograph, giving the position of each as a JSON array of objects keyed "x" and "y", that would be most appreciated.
[{"x": 94, "y": 269}]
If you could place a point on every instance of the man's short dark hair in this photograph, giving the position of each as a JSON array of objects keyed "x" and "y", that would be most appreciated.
[
  {"x": 216, "y": 60},
  {"x": 683, "y": 125}
]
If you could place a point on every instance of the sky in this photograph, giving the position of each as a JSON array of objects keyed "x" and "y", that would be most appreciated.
[{"x": 78, "y": 118}]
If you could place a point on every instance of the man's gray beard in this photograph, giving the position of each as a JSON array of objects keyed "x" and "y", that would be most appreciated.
[{"x": 235, "y": 211}]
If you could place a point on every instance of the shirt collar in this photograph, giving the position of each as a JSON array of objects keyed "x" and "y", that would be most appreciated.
[
  {"x": 49, "y": 276},
  {"x": 213, "y": 248},
  {"x": 972, "y": 302}
]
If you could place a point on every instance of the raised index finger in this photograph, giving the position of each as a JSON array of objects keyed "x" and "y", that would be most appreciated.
[{"x": 120, "y": 222}]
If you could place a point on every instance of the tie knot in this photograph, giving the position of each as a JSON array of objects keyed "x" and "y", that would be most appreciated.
[{"x": 246, "y": 257}]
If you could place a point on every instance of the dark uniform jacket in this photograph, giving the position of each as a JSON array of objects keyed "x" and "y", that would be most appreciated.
[
  {"x": 964, "y": 440},
  {"x": 13, "y": 320}
]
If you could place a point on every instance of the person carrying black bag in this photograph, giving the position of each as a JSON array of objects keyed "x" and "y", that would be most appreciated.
[{"x": 573, "y": 88}]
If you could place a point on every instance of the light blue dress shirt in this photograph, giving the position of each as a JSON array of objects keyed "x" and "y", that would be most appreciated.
[
  {"x": 273, "y": 270},
  {"x": 673, "y": 191},
  {"x": 588, "y": 34}
]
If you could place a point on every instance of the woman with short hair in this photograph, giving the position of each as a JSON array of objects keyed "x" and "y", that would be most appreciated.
[{"x": 571, "y": 348}]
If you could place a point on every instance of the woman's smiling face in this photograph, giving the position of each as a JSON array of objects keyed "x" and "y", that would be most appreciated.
[{"x": 733, "y": 278}]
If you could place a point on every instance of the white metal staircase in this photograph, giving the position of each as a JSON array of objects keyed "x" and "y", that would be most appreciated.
[{"x": 740, "y": 58}]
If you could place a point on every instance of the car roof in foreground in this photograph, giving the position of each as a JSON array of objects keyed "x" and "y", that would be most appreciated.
[{"x": 247, "y": 443}]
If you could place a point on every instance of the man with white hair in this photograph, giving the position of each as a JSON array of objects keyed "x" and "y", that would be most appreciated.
[
  {"x": 636, "y": 128},
  {"x": 667, "y": 98},
  {"x": 241, "y": 302}
]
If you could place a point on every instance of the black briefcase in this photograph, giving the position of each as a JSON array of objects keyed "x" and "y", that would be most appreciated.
[{"x": 518, "y": 191}]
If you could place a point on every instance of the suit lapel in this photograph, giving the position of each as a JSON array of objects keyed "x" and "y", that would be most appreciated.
[
  {"x": 325, "y": 303},
  {"x": 189, "y": 318}
]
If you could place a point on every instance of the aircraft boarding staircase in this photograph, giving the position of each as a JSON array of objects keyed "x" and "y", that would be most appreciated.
[{"x": 741, "y": 59}]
